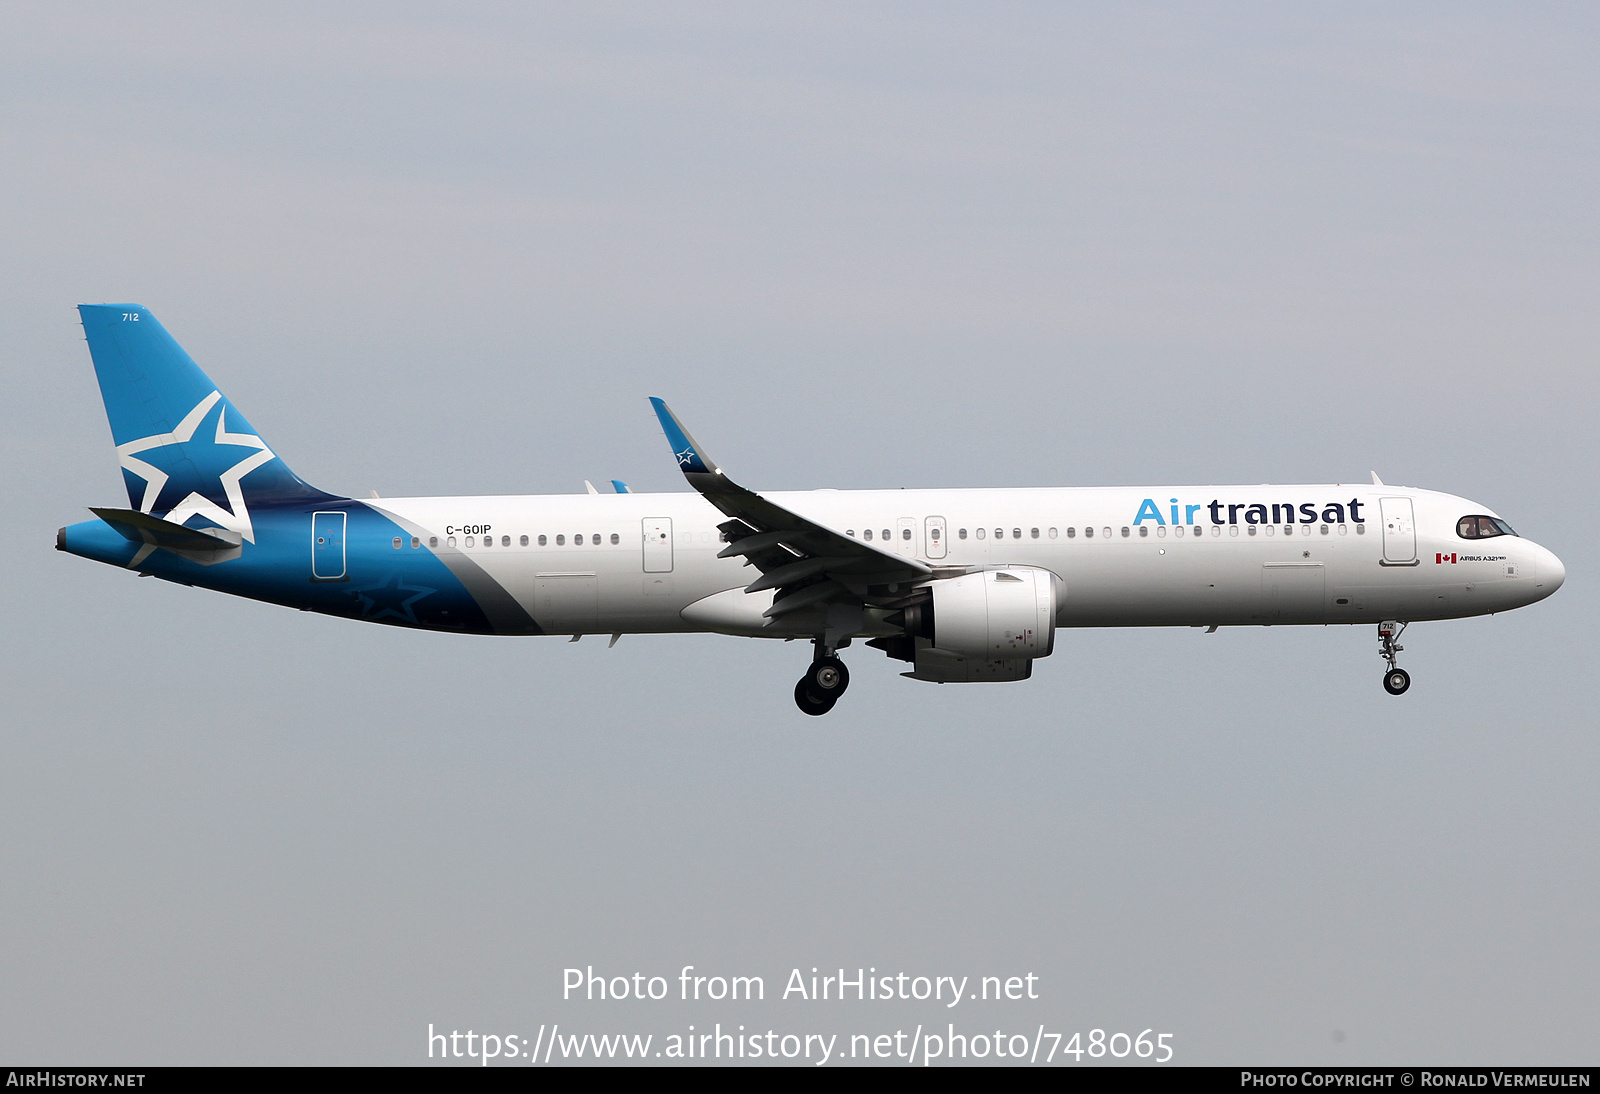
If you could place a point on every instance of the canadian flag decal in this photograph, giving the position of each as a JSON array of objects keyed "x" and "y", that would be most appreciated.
[{"x": 1438, "y": 558}]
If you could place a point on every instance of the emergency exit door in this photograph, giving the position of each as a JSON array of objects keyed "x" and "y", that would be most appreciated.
[{"x": 657, "y": 545}]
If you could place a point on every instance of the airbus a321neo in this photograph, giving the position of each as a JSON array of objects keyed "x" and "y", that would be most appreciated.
[{"x": 961, "y": 585}]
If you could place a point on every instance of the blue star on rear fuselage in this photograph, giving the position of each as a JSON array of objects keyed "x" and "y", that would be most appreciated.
[{"x": 388, "y": 599}]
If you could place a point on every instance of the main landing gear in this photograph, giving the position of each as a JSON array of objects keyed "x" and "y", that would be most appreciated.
[
  {"x": 822, "y": 684},
  {"x": 1396, "y": 679}
]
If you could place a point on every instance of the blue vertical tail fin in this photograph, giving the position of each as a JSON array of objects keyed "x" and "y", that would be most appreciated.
[{"x": 186, "y": 454}]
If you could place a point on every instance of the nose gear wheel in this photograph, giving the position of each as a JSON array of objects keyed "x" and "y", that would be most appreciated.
[{"x": 1395, "y": 679}]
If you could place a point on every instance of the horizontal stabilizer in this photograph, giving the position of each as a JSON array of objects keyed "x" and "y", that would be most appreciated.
[{"x": 140, "y": 527}]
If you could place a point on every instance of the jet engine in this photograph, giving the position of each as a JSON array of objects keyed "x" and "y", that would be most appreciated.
[
  {"x": 1000, "y": 615},
  {"x": 1006, "y": 614}
]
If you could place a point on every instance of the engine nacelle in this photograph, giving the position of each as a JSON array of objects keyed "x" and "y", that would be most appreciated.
[{"x": 996, "y": 615}]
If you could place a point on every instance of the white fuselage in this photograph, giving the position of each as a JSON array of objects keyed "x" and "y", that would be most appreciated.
[{"x": 1173, "y": 556}]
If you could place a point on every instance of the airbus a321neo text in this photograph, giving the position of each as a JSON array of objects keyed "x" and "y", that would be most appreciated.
[{"x": 961, "y": 585}]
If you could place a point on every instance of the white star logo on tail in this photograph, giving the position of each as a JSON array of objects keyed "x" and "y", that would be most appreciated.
[{"x": 238, "y": 520}]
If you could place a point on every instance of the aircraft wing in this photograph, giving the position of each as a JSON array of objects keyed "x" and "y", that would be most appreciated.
[{"x": 811, "y": 566}]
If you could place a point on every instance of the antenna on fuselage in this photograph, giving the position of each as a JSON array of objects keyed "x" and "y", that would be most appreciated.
[{"x": 1375, "y": 480}]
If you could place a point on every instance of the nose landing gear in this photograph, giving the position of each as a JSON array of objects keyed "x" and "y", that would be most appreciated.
[
  {"x": 1396, "y": 679},
  {"x": 823, "y": 683}
]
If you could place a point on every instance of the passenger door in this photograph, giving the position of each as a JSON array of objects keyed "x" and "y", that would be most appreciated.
[
  {"x": 327, "y": 546},
  {"x": 1399, "y": 530}
]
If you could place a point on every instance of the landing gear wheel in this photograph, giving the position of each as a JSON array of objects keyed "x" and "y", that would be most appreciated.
[
  {"x": 827, "y": 678},
  {"x": 1396, "y": 681},
  {"x": 810, "y": 703}
]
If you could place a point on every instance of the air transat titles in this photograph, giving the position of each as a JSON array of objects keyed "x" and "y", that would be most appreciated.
[{"x": 1279, "y": 512}]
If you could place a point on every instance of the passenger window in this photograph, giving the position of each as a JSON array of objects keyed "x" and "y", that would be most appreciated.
[
  {"x": 1125, "y": 531},
  {"x": 615, "y": 539},
  {"x": 505, "y": 541},
  {"x": 1233, "y": 529},
  {"x": 999, "y": 533},
  {"x": 577, "y": 540},
  {"x": 1361, "y": 529},
  {"x": 1252, "y": 530},
  {"x": 396, "y": 543},
  {"x": 1052, "y": 533},
  {"x": 1161, "y": 531},
  {"x": 433, "y": 541},
  {"x": 850, "y": 532},
  {"x": 886, "y": 536},
  {"x": 595, "y": 539},
  {"x": 470, "y": 541},
  {"x": 1016, "y": 533},
  {"x": 1324, "y": 529},
  {"x": 543, "y": 542},
  {"x": 451, "y": 541},
  {"x": 1071, "y": 532},
  {"x": 1270, "y": 529},
  {"x": 961, "y": 533},
  {"x": 905, "y": 533},
  {"x": 1034, "y": 532},
  {"x": 524, "y": 541},
  {"x": 1216, "y": 531},
  {"x": 934, "y": 532},
  {"x": 1144, "y": 531},
  {"x": 561, "y": 541},
  {"x": 1178, "y": 531},
  {"x": 1344, "y": 529},
  {"x": 416, "y": 542},
  {"x": 866, "y": 534},
  {"x": 1088, "y": 533},
  {"x": 1106, "y": 532},
  {"x": 981, "y": 533}
]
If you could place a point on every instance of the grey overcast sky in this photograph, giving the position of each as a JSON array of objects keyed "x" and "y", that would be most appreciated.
[{"x": 452, "y": 248}]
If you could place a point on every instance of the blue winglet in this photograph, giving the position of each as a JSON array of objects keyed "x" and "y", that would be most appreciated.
[
  {"x": 619, "y": 486},
  {"x": 690, "y": 459}
]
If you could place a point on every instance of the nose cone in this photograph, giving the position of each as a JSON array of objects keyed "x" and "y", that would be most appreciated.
[{"x": 1548, "y": 572}]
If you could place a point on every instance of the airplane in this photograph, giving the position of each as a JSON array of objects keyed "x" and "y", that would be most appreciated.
[{"x": 963, "y": 586}]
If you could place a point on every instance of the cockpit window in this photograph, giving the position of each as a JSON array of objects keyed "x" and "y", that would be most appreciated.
[{"x": 1479, "y": 527}]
